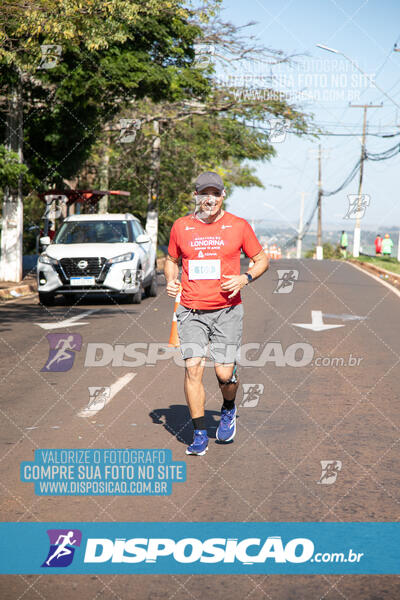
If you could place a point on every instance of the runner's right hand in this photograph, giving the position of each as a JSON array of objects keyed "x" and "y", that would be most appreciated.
[{"x": 173, "y": 287}]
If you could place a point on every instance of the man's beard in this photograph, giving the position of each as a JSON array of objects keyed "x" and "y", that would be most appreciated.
[{"x": 202, "y": 212}]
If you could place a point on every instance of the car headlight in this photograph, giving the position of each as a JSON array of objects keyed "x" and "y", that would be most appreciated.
[
  {"x": 47, "y": 260},
  {"x": 121, "y": 258}
]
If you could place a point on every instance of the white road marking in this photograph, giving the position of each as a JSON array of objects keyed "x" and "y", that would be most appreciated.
[
  {"x": 317, "y": 323},
  {"x": 70, "y": 322},
  {"x": 344, "y": 317},
  {"x": 115, "y": 388}
]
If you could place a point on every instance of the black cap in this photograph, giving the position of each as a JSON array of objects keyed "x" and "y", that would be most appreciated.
[{"x": 209, "y": 179}]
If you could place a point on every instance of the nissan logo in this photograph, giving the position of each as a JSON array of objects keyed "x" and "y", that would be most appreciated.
[{"x": 82, "y": 264}]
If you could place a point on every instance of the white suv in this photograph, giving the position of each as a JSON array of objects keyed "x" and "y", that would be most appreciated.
[{"x": 106, "y": 253}]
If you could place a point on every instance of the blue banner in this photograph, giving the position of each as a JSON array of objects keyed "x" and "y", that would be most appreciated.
[{"x": 215, "y": 548}]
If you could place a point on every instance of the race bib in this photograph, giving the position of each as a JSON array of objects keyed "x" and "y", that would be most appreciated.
[{"x": 205, "y": 269}]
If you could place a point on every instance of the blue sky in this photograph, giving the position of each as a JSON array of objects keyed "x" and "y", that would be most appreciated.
[{"x": 366, "y": 31}]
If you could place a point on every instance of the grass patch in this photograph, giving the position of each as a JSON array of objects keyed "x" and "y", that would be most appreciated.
[{"x": 390, "y": 263}]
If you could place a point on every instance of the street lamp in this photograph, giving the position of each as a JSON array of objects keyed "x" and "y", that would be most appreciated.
[
  {"x": 357, "y": 228},
  {"x": 323, "y": 47}
]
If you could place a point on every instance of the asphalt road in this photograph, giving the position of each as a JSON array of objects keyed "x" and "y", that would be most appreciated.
[{"x": 303, "y": 415}]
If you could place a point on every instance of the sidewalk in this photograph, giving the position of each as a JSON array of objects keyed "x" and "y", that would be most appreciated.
[{"x": 10, "y": 290}]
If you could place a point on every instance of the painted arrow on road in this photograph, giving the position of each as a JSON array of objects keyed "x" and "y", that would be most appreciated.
[
  {"x": 317, "y": 323},
  {"x": 71, "y": 322},
  {"x": 95, "y": 407}
]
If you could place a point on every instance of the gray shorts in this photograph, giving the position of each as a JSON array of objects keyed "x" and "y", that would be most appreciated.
[{"x": 222, "y": 328}]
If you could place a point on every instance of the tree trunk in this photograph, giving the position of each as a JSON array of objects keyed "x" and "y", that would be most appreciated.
[
  {"x": 103, "y": 173},
  {"x": 154, "y": 186},
  {"x": 12, "y": 212}
]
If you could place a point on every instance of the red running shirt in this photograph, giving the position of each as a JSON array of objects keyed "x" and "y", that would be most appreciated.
[{"x": 208, "y": 251}]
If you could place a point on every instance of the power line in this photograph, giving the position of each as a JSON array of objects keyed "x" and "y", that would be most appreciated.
[{"x": 346, "y": 182}]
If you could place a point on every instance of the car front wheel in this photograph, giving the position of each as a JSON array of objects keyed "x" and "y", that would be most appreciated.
[
  {"x": 134, "y": 298},
  {"x": 46, "y": 298},
  {"x": 151, "y": 290}
]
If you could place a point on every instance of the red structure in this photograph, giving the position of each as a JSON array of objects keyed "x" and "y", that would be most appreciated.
[{"x": 70, "y": 198}]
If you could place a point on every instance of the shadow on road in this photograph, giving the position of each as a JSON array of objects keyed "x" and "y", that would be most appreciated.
[
  {"x": 176, "y": 420},
  {"x": 34, "y": 312}
]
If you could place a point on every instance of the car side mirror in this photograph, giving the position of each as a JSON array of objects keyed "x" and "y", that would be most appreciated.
[
  {"x": 45, "y": 240},
  {"x": 143, "y": 238}
]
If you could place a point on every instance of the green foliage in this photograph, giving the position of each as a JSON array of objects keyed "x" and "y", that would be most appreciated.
[
  {"x": 95, "y": 24},
  {"x": 329, "y": 251},
  {"x": 134, "y": 59},
  {"x": 216, "y": 142},
  {"x": 390, "y": 263},
  {"x": 10, "y": 168},
  {"x": 113, "y": 53}
]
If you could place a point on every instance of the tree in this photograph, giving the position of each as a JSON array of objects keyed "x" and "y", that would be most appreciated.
[
  {"x": 10, "y": 168},
  {"x": 329, "y": 251},
  {"x": 112, "y": 53},
  {"x": 217, "y": 134}
]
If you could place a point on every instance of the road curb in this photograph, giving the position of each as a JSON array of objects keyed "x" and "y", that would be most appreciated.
[
  {"x": 384, "y": 282},
  {"x": 17, "y": 291},
  {"x": 389, "y": 276}
]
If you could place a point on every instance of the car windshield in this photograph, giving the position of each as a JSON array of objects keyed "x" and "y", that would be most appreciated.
[{"x": 92, "y": 232}]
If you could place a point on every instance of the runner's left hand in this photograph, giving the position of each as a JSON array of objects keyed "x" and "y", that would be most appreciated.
[{"x": 234, "y": 284}]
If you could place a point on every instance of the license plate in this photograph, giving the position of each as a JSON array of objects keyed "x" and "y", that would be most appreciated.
[{"x": 82, "y": 281}]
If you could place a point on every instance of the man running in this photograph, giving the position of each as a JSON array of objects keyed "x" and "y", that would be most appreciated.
[{"x": 209, "y": 242}]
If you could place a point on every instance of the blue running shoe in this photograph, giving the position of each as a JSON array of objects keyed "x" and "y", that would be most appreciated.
[
  {"x": 200, "y": 443},
  {"x": 227, "y": 425}
]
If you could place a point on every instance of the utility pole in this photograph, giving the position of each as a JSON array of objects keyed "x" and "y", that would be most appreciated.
[
  {"x": 319, "y": 250},
  {"x": 299, "y": 237},
  {"x": 357, "y": 228}
]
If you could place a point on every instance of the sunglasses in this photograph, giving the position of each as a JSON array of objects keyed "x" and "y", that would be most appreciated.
[{"x": 200, "y": 198}]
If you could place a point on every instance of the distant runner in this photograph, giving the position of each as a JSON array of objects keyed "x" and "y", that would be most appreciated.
[
  {"x": 343, "y": 244},
  {"x": 387, "y": 245},
  {"x": 209, "y": 242},
  {"x": 378, "y": 244}
]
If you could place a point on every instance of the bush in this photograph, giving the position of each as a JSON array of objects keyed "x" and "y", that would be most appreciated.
[{"x": 329, "y": 251}]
